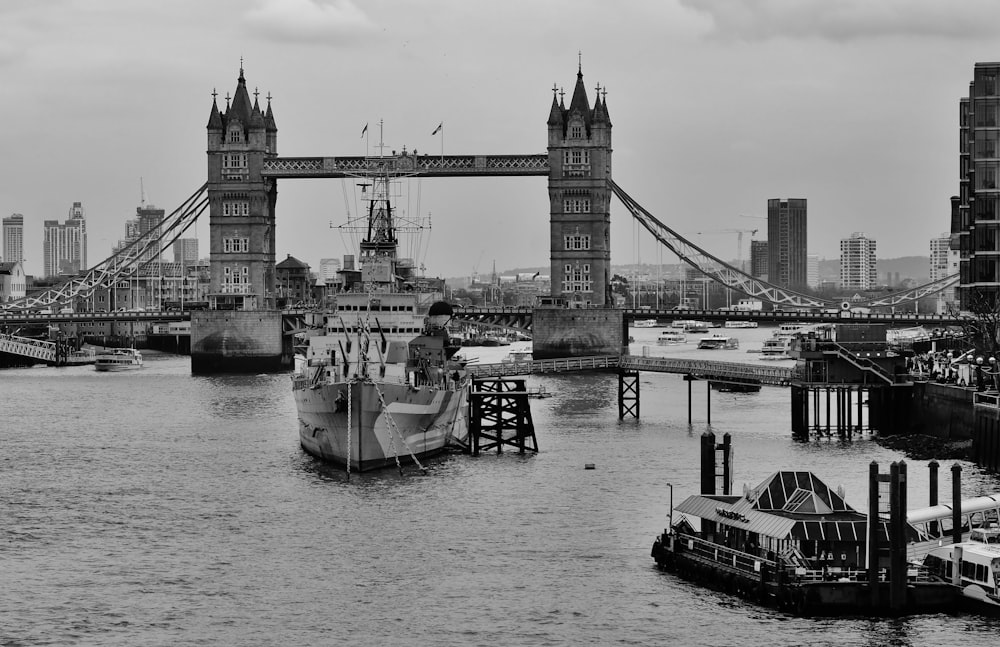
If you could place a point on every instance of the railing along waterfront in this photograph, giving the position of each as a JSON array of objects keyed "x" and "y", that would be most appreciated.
[
  {"x": 750, "y": 564},
  {"x": 702, "y": 369},
  {"x": 558, "y": 365}
]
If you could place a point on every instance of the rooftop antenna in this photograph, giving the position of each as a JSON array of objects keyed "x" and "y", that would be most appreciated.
[{"x": 142, "y": 194}]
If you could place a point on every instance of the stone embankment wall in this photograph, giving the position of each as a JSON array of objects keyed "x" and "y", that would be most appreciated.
[
  {"x": 941, "y": 410},
  {"x": 233, "y": 341},
  {"x": 576, "y": 332}
]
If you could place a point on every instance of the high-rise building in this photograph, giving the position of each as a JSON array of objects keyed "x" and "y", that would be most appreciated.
[
  {"x": 148, "y": 220},
  {"x": 13, "y": 238},
  {"x": 976, "y": 210},
  {"x": 786, "y": 242},
  {"x": 857, "y": 262},
  {"x": 65, "y": 244},
  {"x": 758, "y": 259},
  {"x": 944, "y": 262},
  {"x": 185, "y": 251},
  {"x": 812, "y": 271}
]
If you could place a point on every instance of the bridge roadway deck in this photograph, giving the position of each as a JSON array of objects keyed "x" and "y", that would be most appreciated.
[
  {"x": 517, "y": 316},
  {"x": 700, "y": 369}
]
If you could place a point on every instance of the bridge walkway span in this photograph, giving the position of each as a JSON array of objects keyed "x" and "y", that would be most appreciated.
[{"x": 699, "y": 369}]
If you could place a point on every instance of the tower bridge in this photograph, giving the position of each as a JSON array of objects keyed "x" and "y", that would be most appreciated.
[{"x": 240, "y": 196}]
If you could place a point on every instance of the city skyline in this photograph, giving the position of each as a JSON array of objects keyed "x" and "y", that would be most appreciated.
[{"x": 851, "y": 108}]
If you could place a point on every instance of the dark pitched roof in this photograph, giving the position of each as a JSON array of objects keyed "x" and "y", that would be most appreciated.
[
  {"x": 291, "y": 263},
  {"x": 215, "y": 118}
]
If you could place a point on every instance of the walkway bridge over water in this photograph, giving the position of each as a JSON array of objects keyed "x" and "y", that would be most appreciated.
[
  {"x": 724, "y": 372},
  {"x": 50, "y": 352}
]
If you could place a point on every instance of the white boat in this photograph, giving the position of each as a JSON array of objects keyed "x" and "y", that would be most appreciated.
[
  {"x": 718, "y": 342},
  {"x": 973, "y": 565},
  {"x": 645, "y": 323},
  {"x": 376, "y": 382},
  {"x": 118, "y": 359},
  {"x": 776, "y": 348},
  {"x": 517, "y": 356},
  {"x": 671, "y": 338},
  {"x": 741, "y": 324},
  {"x": 690, "y": 325}
]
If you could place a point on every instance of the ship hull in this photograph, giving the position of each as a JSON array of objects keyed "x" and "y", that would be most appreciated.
[{"x": 346, "y": 424}]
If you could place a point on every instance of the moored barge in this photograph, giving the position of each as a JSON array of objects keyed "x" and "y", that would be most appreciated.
[{"x": 794, "y": 543}]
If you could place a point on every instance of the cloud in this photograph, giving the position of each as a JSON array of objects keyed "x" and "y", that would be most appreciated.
[
  {"x": 322, "y": 21},
  {"x": 848, "y": 20}
]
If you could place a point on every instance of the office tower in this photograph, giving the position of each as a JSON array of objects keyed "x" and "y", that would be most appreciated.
[
  {"x": 758, "y": 259},
  {"x": 65, "y": 244},
  {"x": 13, "y": 238},
  {"x": 148, "y": 220},
  {"x": 786, "y": 242},
  {"x": 857, "y": 262},
  {"x": 185, "y": 251},
  {"x": 812, "y": 271},
  {"x": 975, "y": 211},
  {"x": 944, "y": 262}
]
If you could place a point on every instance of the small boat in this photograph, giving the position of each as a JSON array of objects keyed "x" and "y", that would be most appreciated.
[
  {"x": 973, "y": 569},
  {"x": 671, "y": 338},
  {"x": 741, "y": 324},
  {"x": 776, "y": 348},
  {"x": 718, "y": 342},
  {"x": 118, "y": 359},
  {"x": 517, "y": 356},
  {"x": 645, "y": 323},
  {"x": 539, "y": 392},
  {"x": 696, "y": 326}
]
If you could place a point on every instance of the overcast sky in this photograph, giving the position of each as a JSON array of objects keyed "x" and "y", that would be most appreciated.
[{"x": 717, "y": 105}]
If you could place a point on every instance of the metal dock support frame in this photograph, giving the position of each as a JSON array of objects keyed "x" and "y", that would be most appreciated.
[
  {"x": 500, "y": 414},
  {"x": 628, "y": 394}
]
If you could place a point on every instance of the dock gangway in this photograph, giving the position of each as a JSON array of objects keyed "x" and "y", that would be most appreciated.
[
  {"x": 43, "y": 351},
  {"x": 699, "y": 369}
]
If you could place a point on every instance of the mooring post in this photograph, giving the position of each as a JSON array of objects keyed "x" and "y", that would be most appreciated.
[
  {"x": 727, "y": 476},
  {"x": 708, "y": 463},
  {"x": 708, "y": 402},
  {"x": 932, "y": 497},
  {"x": 873, "y": 534},
  {"x": 956, "y": 503},
  {"x": 899, "y": 556},
  {"x": 687, "y": 377},
  {"x": 895, "y": 549}
]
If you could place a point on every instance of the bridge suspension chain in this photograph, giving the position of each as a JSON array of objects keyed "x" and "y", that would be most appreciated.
[
  {"x": 729, "y": 276},
  {"x": 127, "y": 261}
]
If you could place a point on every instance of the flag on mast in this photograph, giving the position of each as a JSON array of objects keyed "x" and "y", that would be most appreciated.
[
  {"x": 436, "y": 130},
  {"x": 364, "y": 130}
]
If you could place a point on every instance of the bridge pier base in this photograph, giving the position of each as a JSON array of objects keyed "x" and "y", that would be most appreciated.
[
  {"x": 827, "y": 409},
  {"x": 628, "y": 394}
]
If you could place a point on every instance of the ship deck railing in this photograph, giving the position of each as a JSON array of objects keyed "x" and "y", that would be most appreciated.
[{"x": 750, "y": 564}]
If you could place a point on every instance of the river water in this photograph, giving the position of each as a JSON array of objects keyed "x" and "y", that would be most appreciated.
[{"x": 161, "y": 508}]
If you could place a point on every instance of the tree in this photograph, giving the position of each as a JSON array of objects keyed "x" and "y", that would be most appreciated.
[{"x": 982, "y": 327}]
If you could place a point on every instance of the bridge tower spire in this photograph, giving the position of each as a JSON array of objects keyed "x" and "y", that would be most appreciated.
[
  {"x": 579, "y": 149},
  {"x": 241, "y": 202}
]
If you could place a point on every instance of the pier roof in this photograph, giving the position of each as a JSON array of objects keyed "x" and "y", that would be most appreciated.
[{"x": 787, "y": 505}]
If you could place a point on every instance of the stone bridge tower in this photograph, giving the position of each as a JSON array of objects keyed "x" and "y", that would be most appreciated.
[
  {"x": 241, "y": 203},
  {"x": 579, "y": 151}
]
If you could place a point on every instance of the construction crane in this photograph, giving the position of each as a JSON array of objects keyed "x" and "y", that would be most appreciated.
[{"x": 739, "y": 240}]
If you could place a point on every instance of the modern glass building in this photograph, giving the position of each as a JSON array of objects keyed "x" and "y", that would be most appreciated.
[{"x": 787, "y": 264}]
